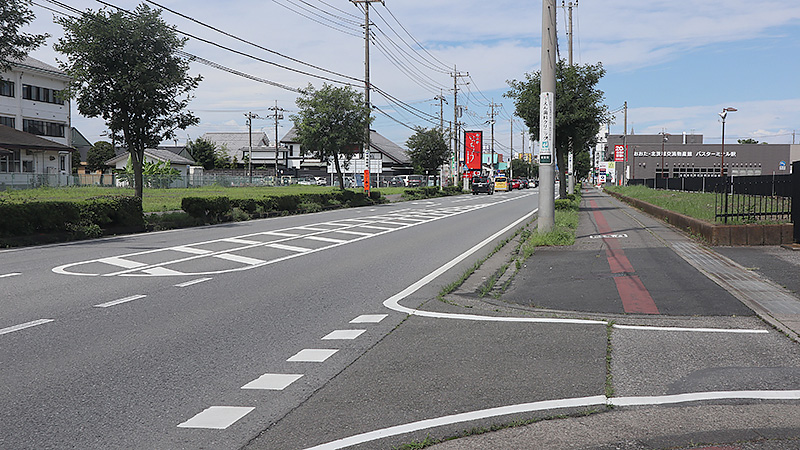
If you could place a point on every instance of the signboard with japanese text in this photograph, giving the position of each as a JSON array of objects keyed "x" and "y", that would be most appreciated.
[
  {"x": 473, "y": 145},
  {"x": 547, "y": 141},
  {"x": 619, "y": 153}
]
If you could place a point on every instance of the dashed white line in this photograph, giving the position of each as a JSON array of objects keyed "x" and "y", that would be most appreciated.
[
  {"x": 273, "y": 381},
  {"x": 369, "y": 318},
  {"x": 189, "y": 283},
  {"x": 312, "y": 355},
  {"x": 25, "y": 325},
  {"x": 13, "y": 274},
  {"x": 240, "y": 259},
  {"x": 343, "y": 335},
  {"x": 120, "y": 301},
  {"x": 290, "y": 248},
  {"x": 217, "y": 417}
]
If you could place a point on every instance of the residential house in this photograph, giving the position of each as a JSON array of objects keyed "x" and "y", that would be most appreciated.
[
  {"x": 182, "y": 164},
  {"x": 29, "y": 160},
  {"x": 238, "y": 148}
]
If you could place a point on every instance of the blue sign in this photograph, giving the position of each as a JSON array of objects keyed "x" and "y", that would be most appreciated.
[{"x": 782, "y": 165}]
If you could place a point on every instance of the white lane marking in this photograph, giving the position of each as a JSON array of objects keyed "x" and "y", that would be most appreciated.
[
  {"x": 701, "y": 396},
  {"x": 313, "y": 355},
  {"x": 273, "y": 381},
  {"x": 343, "y": 334},
  {"x": 124, "y": 263},
  {"x": 217, "y": 417},
  {"x": 189, "y": 283},
  {"x": 553, "y": 404},
  {"x": 162, "y": 271},
  {"x": 120, "y": 301},
  {"x": 25, "y": 325},
  {"x": 369, "y": 318},
  {"x": 290, "y": 248},
  {"x": 241, "y": 241},
  {"x": 354, "y": 233},
  {"x": 326, "y": 239},
  {"x": 312, "y": 229},
  {"x": 239, "y": 259},
  {"x": 191, "y": 250},
  {"x": 697, "y": 330},
  {"x": 279, "y": 234},
  {"x": 459, "y": 418},
  {"x": 373, "y": 227},
  {"x": 13, "y": 274}
]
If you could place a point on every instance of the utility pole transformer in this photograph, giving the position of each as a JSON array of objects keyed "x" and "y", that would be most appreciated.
[
  {"x": 547, "y": 106},
  {"x": 367, "y": 143}
]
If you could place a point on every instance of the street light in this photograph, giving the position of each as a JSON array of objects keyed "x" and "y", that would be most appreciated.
[
  {"x": 723, "y": 115},
  {"x": 664, "y": 139},
  {"x": 722, "y": 173}
]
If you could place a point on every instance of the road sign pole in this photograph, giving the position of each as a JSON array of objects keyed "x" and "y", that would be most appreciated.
[{"x": 546, "y": 220}]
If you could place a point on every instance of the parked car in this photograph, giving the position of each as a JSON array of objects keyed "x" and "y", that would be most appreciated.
[
  {"x": 306, "y": 181},
  {"x": 514, "y": 184},
  {"x": 501, "y": 184},
  {"x": 396, "y": 182},
  {"x": 415, "y": 181},
  {"x": 482, "y": 185},
  {"x": 523, "y": 183},
  {"x": 321, "y": 181}
]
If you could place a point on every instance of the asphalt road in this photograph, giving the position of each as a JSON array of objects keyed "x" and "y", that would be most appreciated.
[{"x": 203, "y": 338}]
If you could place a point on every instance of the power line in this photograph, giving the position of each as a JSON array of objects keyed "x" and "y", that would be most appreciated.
[
  {"x": 347, "y": 31},
  {"x": 415, "y": 40}
]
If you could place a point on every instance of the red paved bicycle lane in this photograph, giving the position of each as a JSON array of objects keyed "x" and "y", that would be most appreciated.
[{"x": 634, "y": 295}]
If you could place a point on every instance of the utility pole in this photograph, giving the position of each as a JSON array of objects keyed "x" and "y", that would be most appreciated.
[
  {"x": 625, "y": 142},
  {"x": 250, "y": 116},
  {"x": 278, "y": 114},
  {"x": 442, "y": 101},
  {"x": 546, "y": 220},
  {"x": 367, "y": 143},
  {"x": 570, "y": 171},
  {"x": 456, "y": 75},
  {"x": 491, "y": 121},
  {"x": 511, "y": 157}
]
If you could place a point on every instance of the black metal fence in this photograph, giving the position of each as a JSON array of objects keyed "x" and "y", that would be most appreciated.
[{"x": 746, "y": 199}]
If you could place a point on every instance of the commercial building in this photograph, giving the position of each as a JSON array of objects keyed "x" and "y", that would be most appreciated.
[{"x": 685, "y": 155}]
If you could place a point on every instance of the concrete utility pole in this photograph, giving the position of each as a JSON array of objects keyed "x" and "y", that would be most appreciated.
[
  {"x": 570, "y": 171},
  {"x": 456, "y": 75},
  {"x": 367, "y": 143},
  {"x": 442, "y": 101},
  {"x": 511, "y": 156},
  {"x": 547, "y": 104},
  {"x": 491, "y": 121},
  {"x": 278, "y": 114},
  {"x": 250, "y": 116},
  {"x": 625, "y": 140}
]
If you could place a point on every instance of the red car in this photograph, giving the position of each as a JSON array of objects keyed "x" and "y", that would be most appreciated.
[{"x": 514, "y": 184}]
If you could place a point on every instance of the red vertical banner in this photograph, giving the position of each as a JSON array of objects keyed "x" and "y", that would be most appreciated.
[
  {"x": 619, "y": 153},
  {"x": 366, "y": 180},
  {"x": 473, "y": 148}
]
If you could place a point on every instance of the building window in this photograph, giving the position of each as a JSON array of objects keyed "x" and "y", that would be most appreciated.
[
  {"x": 42, "y": 128},
  {"x": 62, "y": 162},
  {"x": 8, "y": 121},
  {"x": 27, "y": 166},
  {"x": 6, "y": 88},
  {"x": 9, "y": 162},
  {"x": 41, "y": 94}
]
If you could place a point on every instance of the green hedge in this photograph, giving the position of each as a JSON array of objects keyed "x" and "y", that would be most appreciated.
[
  {"x": 221, "y": 209},
  {"x": 431, "y": 192},
  {"x": 89, "y": 218}
]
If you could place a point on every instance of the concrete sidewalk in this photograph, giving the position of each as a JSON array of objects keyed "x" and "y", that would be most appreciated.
[{"x": 764, "y": 279}]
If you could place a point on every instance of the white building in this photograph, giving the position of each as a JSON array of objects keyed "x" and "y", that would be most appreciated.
[{"x": 29, "y": 100}]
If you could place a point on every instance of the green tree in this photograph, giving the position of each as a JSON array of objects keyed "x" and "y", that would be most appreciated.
[
  {"x": 204, "y": 152},
  {"x": 76, "y": 161},
  {"x": 521, "y": 168},
  {"x": 128, "y": 69},
  {"x": 97, "y": 156},
  {"x": 747, "y": 141},
  {"x": 14, "y": 45},
  {"x": 579, "y": 109},
  {"x": 427, "y": 150},
  {"x": 331, "y": 124}
]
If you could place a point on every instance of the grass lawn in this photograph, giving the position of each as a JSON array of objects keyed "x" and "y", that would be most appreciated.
[
  {"x": 164, "y": 199},
  {"x": 699, "y": 205}
]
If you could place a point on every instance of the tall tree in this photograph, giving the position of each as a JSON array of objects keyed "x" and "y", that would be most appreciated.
[
  {"x": 428, "y": 150},
  {"x": 14, "y": 45},
  {"x": 97, "y": 156},
  {"x": 579, "y": 109},
  {"x": 127, "y": 69},
  {"x": 331, "y": 123},
  {"x": 204, "y": 152}
]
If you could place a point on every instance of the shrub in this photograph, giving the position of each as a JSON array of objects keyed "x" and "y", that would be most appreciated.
[{"x": 210, "y": 209}]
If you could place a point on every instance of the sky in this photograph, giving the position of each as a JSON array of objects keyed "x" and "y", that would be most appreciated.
[{"x": 677, "y": 63}]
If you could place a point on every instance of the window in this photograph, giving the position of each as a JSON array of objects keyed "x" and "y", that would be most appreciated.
[
  {"x": 42, "y": 128},
  {"x": 9, "y": 162},
  {"x": 6, "y": 88},
  {"x": 62, "y": 162},
  {"x": 7, "y": 121},
  {"x": 41, "y": 94}
]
